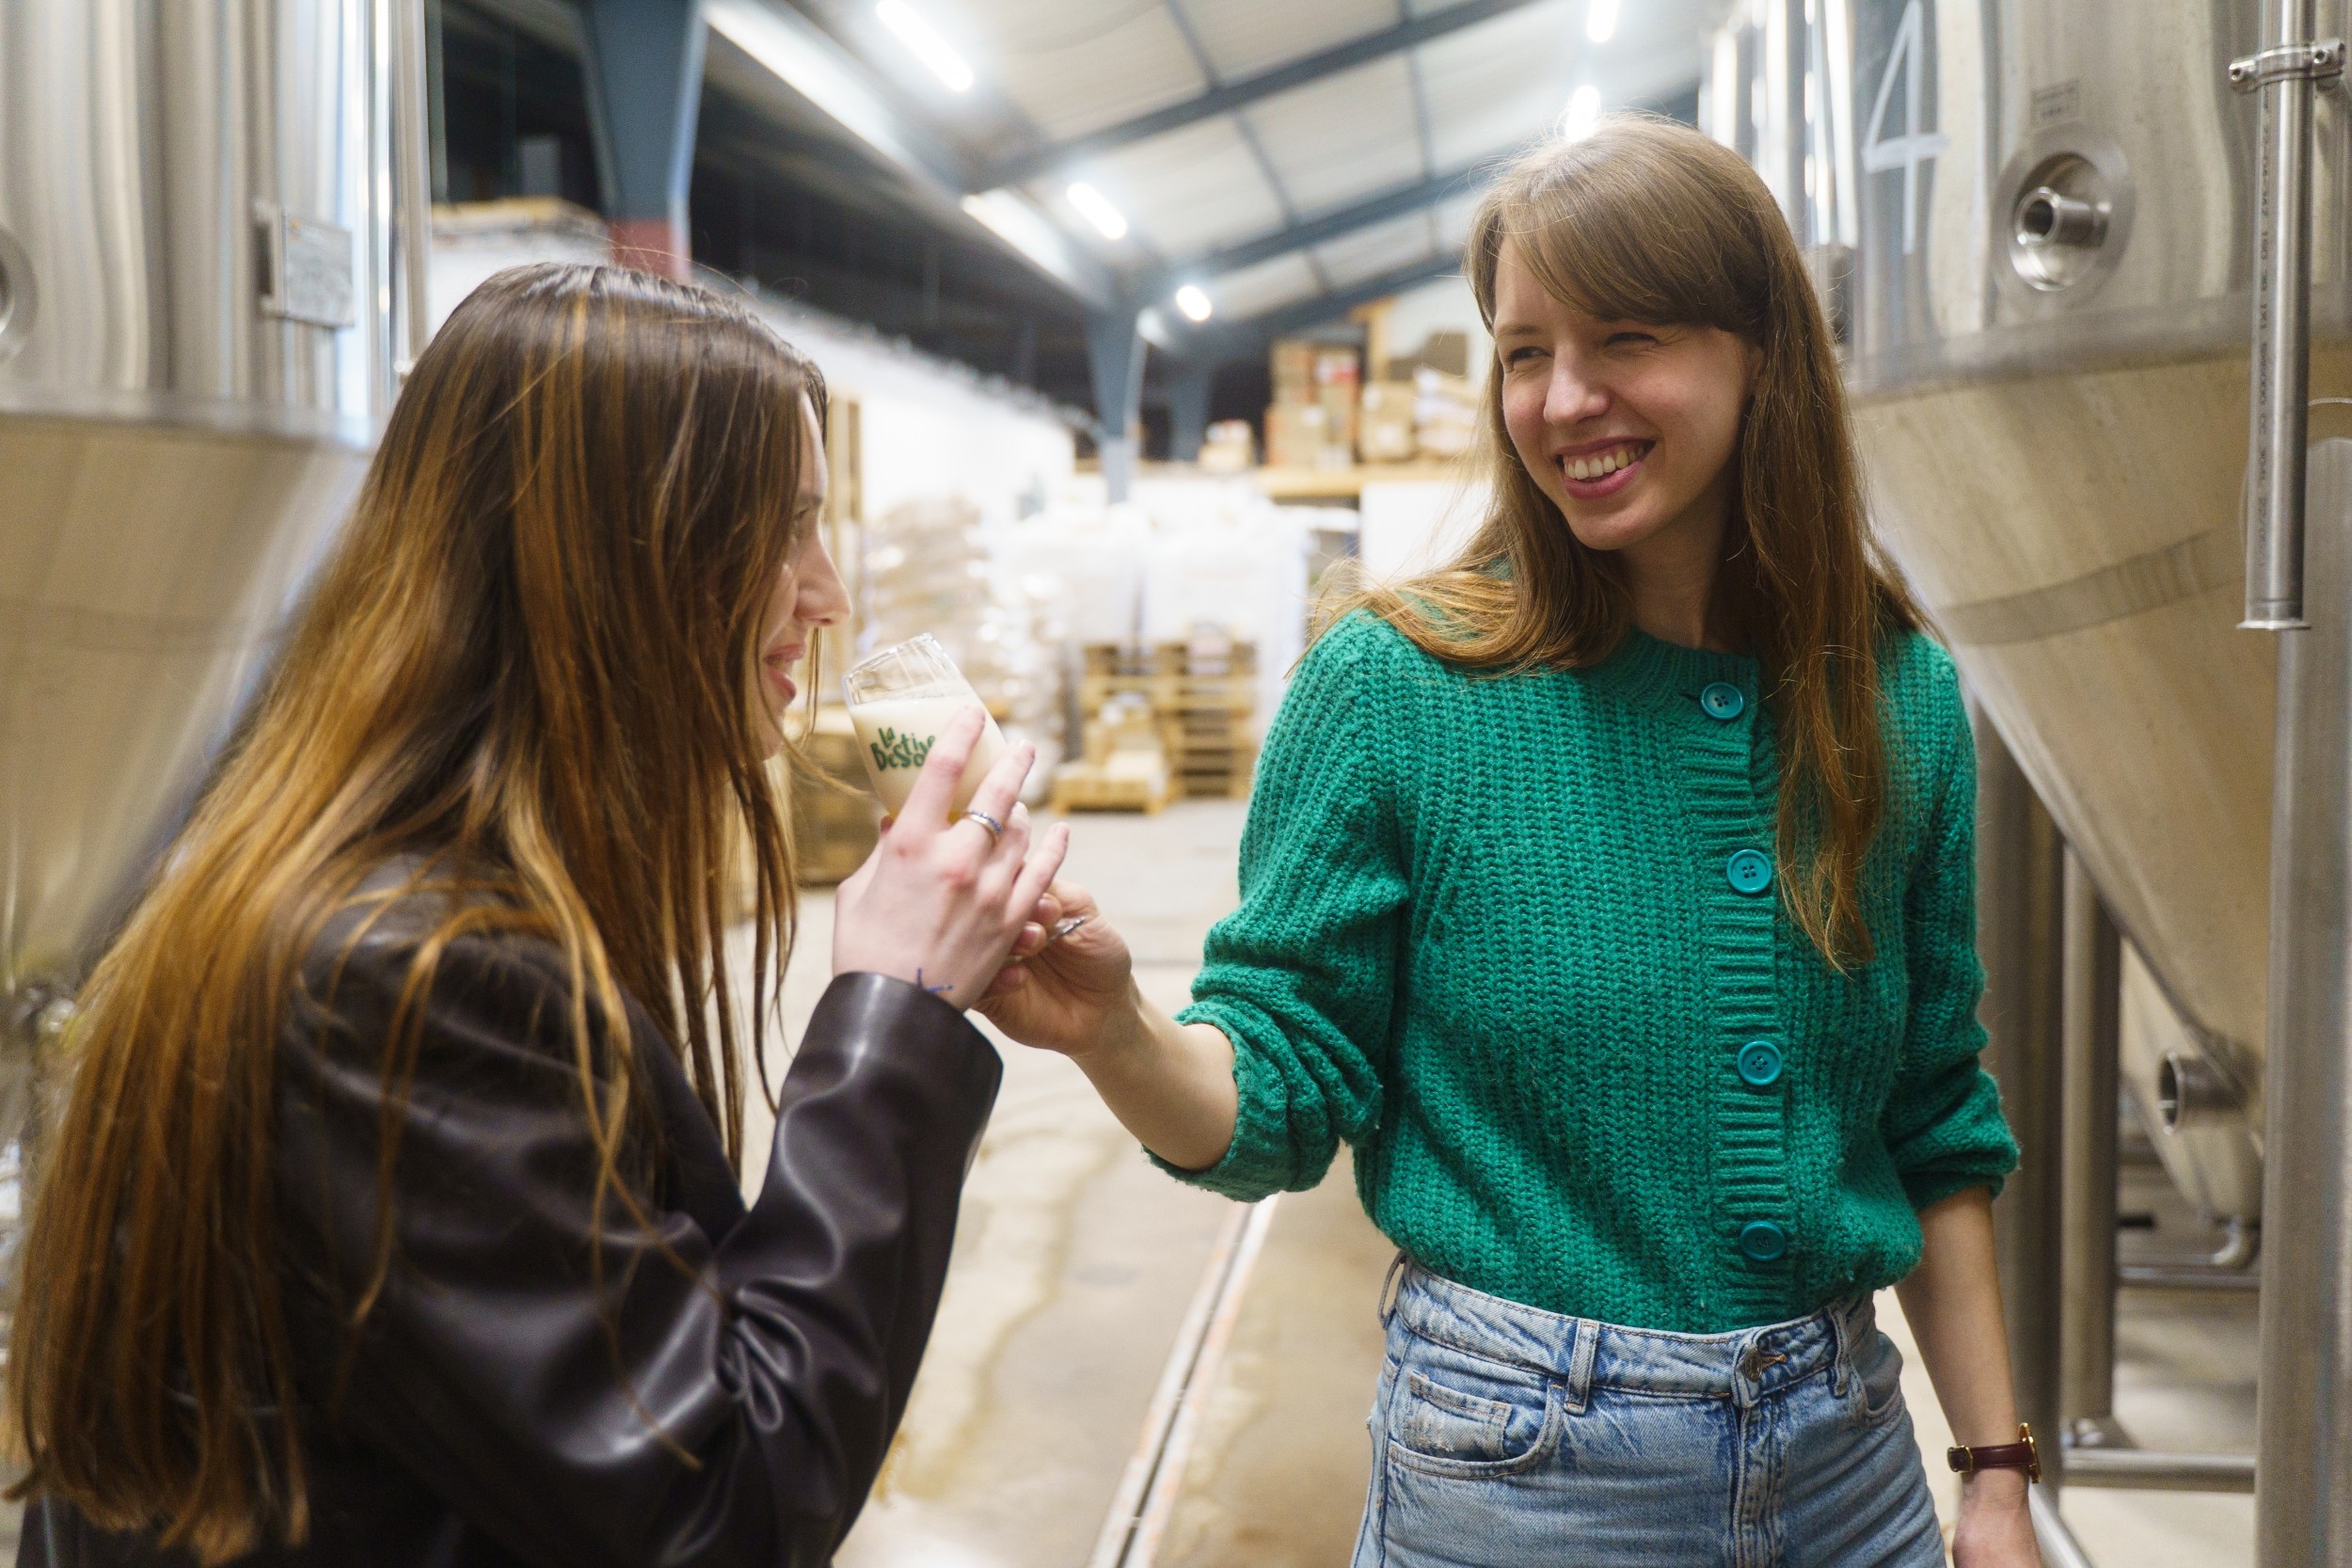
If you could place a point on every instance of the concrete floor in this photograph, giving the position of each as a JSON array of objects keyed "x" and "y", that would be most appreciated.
[{"x": 1076, "y": 1262}]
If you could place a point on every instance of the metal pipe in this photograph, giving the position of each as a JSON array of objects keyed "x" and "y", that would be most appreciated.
[
  {"x": 2059, "y": 1549},
  {"x": 2089, "y": 1113},
  {"x": 412, "y": 186},
  {"x": 2049, "y": 217},
  {"x": 2186, "y": 1276},
  {"x": 2145, "y": 1471},
  {"x": 2303, "y": 1511},
  {"x": 2020, "y": 886},
  {"x": 2284, "y": 73},
  {"x": 2192, "y": 1091}
]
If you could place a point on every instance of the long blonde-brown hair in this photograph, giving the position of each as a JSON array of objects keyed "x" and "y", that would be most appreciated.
[
  {"x": 531, "y": 667},
  {"x": 1644, "y": 220}
]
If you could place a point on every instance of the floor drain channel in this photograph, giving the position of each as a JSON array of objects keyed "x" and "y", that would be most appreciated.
[{"x": 1146, "y": 1498}]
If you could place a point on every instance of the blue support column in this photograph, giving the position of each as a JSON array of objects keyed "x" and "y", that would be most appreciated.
[
  {"x": 1188, "y": 410},
  {"x": 1115, "y": 353},
  {"x": 645, "y": 70}
]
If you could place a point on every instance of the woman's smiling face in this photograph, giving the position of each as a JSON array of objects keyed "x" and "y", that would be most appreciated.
[
  {"x": 1630, "y": 427},
  {"x": 807, "y": 595}
]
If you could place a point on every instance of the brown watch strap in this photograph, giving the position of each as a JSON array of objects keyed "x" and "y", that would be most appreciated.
[{"x": 2020, "y": 1455}]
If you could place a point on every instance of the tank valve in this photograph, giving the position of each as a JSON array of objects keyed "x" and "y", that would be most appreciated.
[
  {"x": 2192, "y": 1092},
  {"x": 2051, "y": 217}
]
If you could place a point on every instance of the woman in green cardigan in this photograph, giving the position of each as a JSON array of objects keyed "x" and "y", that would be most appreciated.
[{"x": 1611, "y": 894}]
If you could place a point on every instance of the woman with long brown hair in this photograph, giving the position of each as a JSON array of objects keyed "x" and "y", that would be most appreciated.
[
  {"x": 394, "y": 1218},
  {"x": 1610, "y": 893}
]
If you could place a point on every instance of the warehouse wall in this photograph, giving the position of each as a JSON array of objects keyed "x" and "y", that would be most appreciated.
[{"x": 929, "y": 427}]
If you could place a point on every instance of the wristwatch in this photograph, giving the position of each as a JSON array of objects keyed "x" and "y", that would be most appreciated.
[{"x": 2020, "y": 1455}]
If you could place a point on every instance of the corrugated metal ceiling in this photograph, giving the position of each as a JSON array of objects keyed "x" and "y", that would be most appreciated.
[{"x": 1056, "y": 70}]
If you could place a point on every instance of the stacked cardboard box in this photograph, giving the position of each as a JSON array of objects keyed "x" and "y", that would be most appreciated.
[
  {"x": 1445, "y": 413},
  {"x": 1227, "y": 449},
  {"x": 1385, "y": 432},
  {"x": 1311, "y": 423},
  {"x": 1448, "y": 352},
  {"x": 1339, "y": 383},
  {"x": 1295, "y": 436}
]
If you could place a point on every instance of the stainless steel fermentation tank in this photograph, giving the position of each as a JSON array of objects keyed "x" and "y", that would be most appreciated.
[
  {"x": 2062, "y": 239},
  {"x": 2033, "y": 218},
  {"x": 212, "y": 215}
]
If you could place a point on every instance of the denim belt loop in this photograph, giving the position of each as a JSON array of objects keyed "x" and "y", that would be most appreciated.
[
  {"x": 1581, "y": 1353},
  {"x": 1842, "y": 1327},
  {"x": 1389, "y": 1290}
]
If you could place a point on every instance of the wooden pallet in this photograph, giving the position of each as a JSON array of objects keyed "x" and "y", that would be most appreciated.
[
  {"x": 1219, "y": 785},
  {"x": 1213, "y": 764},
  {"x": 1090, "y": 787},
  {"x": 1170, "y": 659},
  {"x": 1173, "y": 693}
]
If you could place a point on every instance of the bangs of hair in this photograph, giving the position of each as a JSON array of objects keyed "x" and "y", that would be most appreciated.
[{"x": 1604, "y": 226}]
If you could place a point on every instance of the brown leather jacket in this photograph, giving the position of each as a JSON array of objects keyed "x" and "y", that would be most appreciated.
[{"x": 485, "y": 1421}]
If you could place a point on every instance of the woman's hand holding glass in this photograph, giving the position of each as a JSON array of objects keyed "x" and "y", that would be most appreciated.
[{"x": 942, "y": 899}]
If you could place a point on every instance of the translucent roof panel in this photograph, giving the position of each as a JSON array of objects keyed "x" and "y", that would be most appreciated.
[
  {"x": 1244, "y": 37},
  {"x": 1493, "y": 86},
  {"x": 1382, "y": 247},
  {"x": 1453, "y": 221},
  {"x": 1267, "y": 286},
  {"x": 1074, "y": 68},
  {"x": 1054, "y": 71},
  {"x": 1184, "y": 193},
  {"x": 1342, "y": 137}
]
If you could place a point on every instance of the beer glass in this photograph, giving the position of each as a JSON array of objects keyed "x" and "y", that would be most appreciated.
[{"x": 900, "y": 699}]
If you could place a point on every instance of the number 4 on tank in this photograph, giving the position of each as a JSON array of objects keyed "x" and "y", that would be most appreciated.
[{"x": 1918, "y": 143}]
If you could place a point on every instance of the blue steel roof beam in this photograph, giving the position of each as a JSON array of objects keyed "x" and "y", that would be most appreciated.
[
  {"x": 1248, "y": 133},
  {"x": 1225, "y": 99},
  {"x": 1234, "y": 340},
  {"x": 1377, "y": 208},
  {"x": 643, "y": 63}
]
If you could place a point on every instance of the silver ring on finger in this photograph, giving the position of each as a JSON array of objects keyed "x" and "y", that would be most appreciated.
[{"x": 995, "y": 829}]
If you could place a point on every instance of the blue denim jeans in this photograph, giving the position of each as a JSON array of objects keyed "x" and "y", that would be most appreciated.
[{"x": 1506, "y": 1435}]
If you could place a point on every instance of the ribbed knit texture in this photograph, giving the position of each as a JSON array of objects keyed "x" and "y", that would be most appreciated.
[{"x": 1487, "y": 935}]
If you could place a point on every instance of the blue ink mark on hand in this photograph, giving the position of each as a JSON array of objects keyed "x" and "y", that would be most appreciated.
[{"x": 935, "y": 991}]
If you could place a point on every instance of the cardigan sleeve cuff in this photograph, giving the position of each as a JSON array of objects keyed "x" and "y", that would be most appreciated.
[
  {"x": 1259, "y": 1161},
  {"x": 1926, "y": 1189}
]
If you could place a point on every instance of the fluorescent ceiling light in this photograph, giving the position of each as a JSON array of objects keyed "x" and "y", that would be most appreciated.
[
  {"x": 1011, "y": 218},
  {"x": 925, "y": 44},
  {"x": 1583, "y": 113},
  {"x": 1107, "y": 220},
  {"x": 1600, "y": 21},
  {"x": 1194, "y": 301}
]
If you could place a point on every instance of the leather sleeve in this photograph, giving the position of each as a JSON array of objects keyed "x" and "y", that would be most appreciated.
[{"x": 585, "y": 1392}]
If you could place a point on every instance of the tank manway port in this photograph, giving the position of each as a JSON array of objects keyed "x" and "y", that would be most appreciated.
[{"x": 2050, "y": 217}]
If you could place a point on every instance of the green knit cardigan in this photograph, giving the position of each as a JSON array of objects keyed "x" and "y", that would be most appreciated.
[{"x": 1517, "y": 939}]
